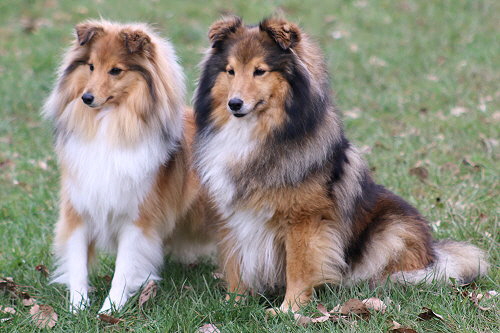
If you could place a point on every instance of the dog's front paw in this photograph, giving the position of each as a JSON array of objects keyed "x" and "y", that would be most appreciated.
[
  {"x": 108, "y": 307},
  {"x": 79, "y": 301}
]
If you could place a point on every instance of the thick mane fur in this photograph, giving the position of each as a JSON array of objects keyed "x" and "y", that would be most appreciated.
[
  {"x": 157, "y": 109},
  {"x": 312, "y": 131}
]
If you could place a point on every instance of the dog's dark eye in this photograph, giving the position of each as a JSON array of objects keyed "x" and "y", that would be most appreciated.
[
  {"x": 115, "y": 71},
  {"x": 230, "y": 72},
  {"x": 91, "y": 67},
  {"x": 259, "y": 72}
]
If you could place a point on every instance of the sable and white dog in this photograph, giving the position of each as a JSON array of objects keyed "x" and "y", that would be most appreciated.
[
  {"x": 122, "y": 137},
  {"x": 298, "y": 203}
]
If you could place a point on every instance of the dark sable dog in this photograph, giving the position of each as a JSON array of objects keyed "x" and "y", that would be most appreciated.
[{"x": 298, "y": 202}]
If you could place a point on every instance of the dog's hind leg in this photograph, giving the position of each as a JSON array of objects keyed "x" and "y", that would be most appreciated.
[{"x": 139, "y": 257}]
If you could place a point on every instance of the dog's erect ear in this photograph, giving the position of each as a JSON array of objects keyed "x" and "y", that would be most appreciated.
[
  {"x": 85, "y": 32},
  {"x": 286, "y": 34},
  {"x": 221, "y": 29},
  {"x": 136, "y": 41}
]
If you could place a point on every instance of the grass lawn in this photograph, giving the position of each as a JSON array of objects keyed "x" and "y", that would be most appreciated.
[{"x": 417, "y": 81}]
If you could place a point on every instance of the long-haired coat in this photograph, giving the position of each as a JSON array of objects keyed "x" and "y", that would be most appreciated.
[
  {"x": 123, "y": 138},
  {"x": 298, "y": 202}
]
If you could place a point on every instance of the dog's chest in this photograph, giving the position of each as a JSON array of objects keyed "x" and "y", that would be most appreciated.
[
  {"x": 224, "y": 152},
  {"x": 259, "y": 247},
  {"x": 108, "y": 182}
]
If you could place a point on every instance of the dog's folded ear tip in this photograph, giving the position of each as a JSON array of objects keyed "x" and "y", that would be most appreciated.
[
  {"x": 286, "y": 34},
  {"x": 86, "y": 32},
  {"x": 135, "y": 41},
  {"x": 223, "y": 28}
]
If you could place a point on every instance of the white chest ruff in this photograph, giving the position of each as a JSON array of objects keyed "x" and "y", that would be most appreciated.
[
  {"x": 106, "y": 184},
  {"x": 259, "y": 251},
  {"x": 226, "y": 148},
  {"x": 256, "y": 246}
]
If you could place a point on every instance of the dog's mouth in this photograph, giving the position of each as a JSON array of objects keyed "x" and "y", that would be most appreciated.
[
  {"x": 96, "y": 106},
  {"x": 241, "y": 114}
]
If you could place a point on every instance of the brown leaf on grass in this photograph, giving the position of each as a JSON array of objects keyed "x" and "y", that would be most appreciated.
[
  {"x": 106, "y": 278},
  {"x": 109, "y": 319},
  {"x": 403, "y": 330},
  {"x": 421, "y": 172},
  {"x": 355, "y": 306},
  {"x": 43, "y": 270},
  {"x": 7, "y": 284},
  {"x": 397, "y": 328},
  {"x": 428, "y": 314},
  {"x": 303, "y": 320},
  {"x": 7, "y": 310},
  {"x": 306, "y": 320},
  {"x": 450, "y": 167},
  {"x": 43, "y": 316},
  {"x": 148, "y": 292},
  {"x": 336, "y": 309},
  {"x": 458, "y": 111},
  {"x": 475, "y": 298},
  {"x": 6, "y": 163},
  {"x": 376, "y": 304},
  {"x": 469, "y": 163},
  {"x": 208, "y": 328},
  {"x": 27, "y": 300}
]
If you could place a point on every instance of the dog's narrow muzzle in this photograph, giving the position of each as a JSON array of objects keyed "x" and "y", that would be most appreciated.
[{"x": 88, "y": 98}]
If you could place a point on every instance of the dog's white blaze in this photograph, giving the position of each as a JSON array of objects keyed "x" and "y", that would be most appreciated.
[
  {"x": 107, "y": 183},
  {"x": 256, "y": 247},
  {"x": 230, "y": 146}
]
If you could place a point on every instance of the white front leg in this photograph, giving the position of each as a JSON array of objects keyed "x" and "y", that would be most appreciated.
[
  {"x": 138, "y": 260},
  {"x": 74, "y": 261}
]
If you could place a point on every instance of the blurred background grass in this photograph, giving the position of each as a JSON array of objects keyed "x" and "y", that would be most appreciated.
[{"x": 417, "y": 82}]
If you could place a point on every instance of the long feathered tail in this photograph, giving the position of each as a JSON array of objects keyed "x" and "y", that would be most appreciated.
[{"x": 461, "y": 261}]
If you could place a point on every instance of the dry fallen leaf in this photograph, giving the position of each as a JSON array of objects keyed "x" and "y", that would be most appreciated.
[
  {"x": 355, "y": 306},
  {"x": 429, "y": 314},
  {"x": 353, "y": 113},
  {"x": 148, "y": 292},
  {"x": 109, "y": 319},
  {"x": 457, "y": 111},
  {"x": 469, "y": 163},
  {"x": 208, "y": 328},
  {"x": 420, "y": 172},
  {"x": 7, "y": 310},
  {"x": 106, "y": 278},
  {"x": 377, "y": 62},
  {"x": 27, "y": 300},
  {"x": 403, "y": 330},
  {"x": 42, "y": 269},
  {"x": 7, "y": 284},
  {"x": 375, "y": 304},
  {"x": 397, "y": 328},
  {"x": 475, "y": 298},
  {"x": 43, "y": 316}
]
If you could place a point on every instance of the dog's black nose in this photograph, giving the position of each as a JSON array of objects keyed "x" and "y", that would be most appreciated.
[
  {"x": 235, "y": 104},
  {"x": 88, "y": 98}
]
